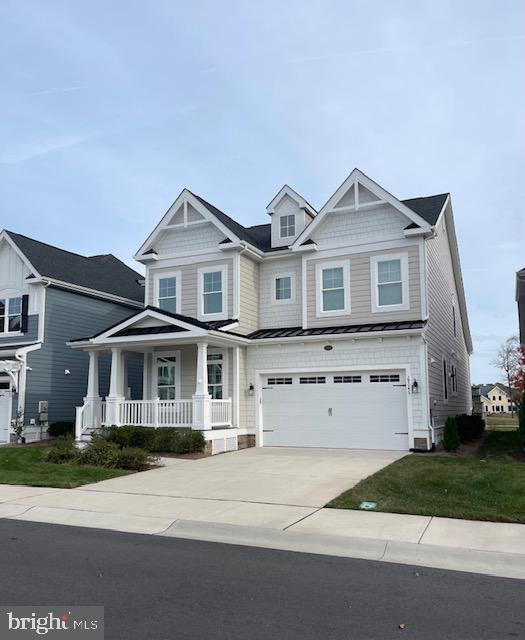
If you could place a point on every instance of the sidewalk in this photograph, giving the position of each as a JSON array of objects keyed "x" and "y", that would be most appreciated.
[{"x": 481, "y": 547}]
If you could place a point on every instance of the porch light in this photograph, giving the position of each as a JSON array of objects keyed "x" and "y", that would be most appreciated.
[
  {"x": 251, "y": 389},
  {"x": 415, "y": 386}
]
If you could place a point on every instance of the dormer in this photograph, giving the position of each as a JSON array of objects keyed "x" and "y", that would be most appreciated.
[{"x": 290, "y": 214}]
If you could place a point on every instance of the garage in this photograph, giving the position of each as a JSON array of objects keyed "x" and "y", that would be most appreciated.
[{"x": 354, "y": 409}]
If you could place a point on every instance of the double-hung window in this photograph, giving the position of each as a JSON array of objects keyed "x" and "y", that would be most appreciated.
[
  {"x": 10, "y": 315},
  {"x": 390, "y": 282},
  {"x": 283, "y": 288},
  {"x": 333, "y": 288},
  {"x": 212, "y": 294},
  {"x": 169, "y": 293},
  {"x": 287, "y": 226}
]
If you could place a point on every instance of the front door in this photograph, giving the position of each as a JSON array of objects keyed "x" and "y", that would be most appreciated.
[
  {"x": 167, "y": 377},
  {"x": 5, "y": 410}
]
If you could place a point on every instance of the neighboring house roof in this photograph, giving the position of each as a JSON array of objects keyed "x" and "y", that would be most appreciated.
[
  {"x": 104, "y": 273},
  {"x": 292, "y": 332},
  {"x": 485, "y": 389},
  {"x": 260, "y": 236}
]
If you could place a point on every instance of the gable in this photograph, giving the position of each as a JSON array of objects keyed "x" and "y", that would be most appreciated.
[
  {"x": 191, "y": 238},
  {"x": 13, "y": 270}
]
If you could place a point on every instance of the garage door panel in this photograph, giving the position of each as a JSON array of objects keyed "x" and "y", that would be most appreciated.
[{"x": 361, "y": 415}]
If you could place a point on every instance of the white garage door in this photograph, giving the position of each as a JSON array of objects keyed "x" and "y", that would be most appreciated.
[{"x": 357, "y": 410}]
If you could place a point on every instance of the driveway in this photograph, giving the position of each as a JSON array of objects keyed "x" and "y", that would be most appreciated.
[{"x": 285, "y": 476}]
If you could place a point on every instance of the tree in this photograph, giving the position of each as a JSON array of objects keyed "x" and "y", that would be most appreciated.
[
  {"x": 519, "y": 378},
  {"x": 451, "y": 440},
  {"x": 508, "y": 360}
]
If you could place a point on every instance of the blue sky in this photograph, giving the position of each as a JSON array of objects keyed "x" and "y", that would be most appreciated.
[{"x": 108, "y": 109}]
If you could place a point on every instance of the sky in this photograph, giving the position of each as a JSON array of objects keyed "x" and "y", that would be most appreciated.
[{"x": 109, "y": 109}]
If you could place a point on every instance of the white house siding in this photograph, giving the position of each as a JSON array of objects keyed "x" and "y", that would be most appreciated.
[
  {"x": 361, "y": 290},
  {"x": 366, "y": 353},
  {"x": 192, "y": 238},
  {"x": 440, "y": 333},
  {"x": 358, "y": 227},
  {"x": 249, "y": 295},
  {"x": 13, "y": 274},
  {"x": 190, "y": 284},
  {"x": 280, "y": 314}
]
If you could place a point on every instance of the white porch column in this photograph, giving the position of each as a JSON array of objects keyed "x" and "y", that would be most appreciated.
[
  {"x": 201, "y": 397},
  {"x": 92, "y": 397},
  {"x": 115, "y": 396},
  {"x": 236, "y": 386}
]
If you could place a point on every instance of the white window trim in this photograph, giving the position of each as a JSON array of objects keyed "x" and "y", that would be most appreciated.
[
  {"x": 319, "y": 267},
  {"x": 157, "y": 277},
  {"x": 154, "y": 373},
  {"x": 225, "y": 369},
  {"x": 287, "y": 215},
  {"x": 223, "y": 315},
  {"x": 291, "y": 299},
  {"x": 445, "y": 368},
  {"x": 8, "y": 295},
  {"x": 387, "y": 308}
]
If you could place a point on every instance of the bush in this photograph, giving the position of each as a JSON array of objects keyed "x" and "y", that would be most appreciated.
[
  {"x": 521, "y": 422},
  {"x": 61, "y": 451},
  {"x": 134, "y": 458},
  {"x": 451, "y": 436},
  {"x": 164, "y": 439},
  {"x": 100, "y": 453},
  {"x": 470, "y": 427},
  {"x": 58, "y": 429}
]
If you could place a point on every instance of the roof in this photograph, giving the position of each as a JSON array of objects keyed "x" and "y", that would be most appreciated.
[
  {"x": 104, "y": 273},
  {"x": 484, "y": 389},
  {"x": 294, "y": 332},
  {"x": 260, "y": 235}
]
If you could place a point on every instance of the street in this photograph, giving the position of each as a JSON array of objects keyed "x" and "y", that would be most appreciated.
[{"x": 154, "y": 587}]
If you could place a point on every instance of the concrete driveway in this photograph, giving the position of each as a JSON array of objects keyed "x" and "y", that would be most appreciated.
[{"x": 285, "y": 476}]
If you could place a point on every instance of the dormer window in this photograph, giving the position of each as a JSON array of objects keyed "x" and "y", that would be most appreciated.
[
  {"x": 287, "y": 226},
  {"x": 10, "y": 315}
]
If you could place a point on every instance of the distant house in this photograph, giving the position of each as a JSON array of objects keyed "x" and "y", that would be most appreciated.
[
  {"x": 520, "y": 299},
  {"x": 497, "y": 398},
  {"x": 46, "y": 296}
]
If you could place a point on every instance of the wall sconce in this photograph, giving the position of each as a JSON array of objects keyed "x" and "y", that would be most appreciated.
[
  {"x": 67, "y": 372},
  {"x": 251, "y": 389},
  {"x": 415, "y": 386}
]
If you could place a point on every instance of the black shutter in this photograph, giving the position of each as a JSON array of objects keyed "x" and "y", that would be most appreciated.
[{"x": 25, "y": 305}]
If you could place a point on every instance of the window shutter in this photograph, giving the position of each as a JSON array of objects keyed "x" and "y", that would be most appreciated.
[{"x": 25, "y": 305}]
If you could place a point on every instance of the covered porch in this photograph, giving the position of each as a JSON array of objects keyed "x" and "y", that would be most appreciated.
[{"x": 190, "y": 376}]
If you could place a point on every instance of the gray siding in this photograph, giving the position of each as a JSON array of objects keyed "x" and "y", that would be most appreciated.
[
  {"x": 31, "y": 335},
  {"x": 70, "y": 315},
  {"x": 249, "y": 298},
  {"x": 361, "y": 290},
  {"x": 440, "y": 333},
  {"x": 280, "y": 314}
]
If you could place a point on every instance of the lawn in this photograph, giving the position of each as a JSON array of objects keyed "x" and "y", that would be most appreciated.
[
  {"x": 500, "y": 422},
  {"x": 488, "y": 486},
  {"x": 23, "y": 465}
]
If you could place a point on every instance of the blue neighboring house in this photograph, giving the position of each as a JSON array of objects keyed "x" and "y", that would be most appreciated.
[{"x": 47, "y": 297}]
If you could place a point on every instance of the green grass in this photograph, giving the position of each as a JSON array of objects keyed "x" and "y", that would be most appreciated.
[
  {"x": 24, "y": 465},
  {"x": 498, "y": 421},
  {"x": 490, "y": 486}
]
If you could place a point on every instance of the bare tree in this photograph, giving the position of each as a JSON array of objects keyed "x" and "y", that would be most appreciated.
[{"x": 508, "y": 360}]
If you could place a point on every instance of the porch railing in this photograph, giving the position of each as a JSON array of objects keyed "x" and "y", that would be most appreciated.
[
  {"x": 156, "y": 413},
  {"x": 221, "y": 412}
]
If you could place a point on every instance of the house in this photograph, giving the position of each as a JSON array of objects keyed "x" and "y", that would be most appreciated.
[
  {"x": 520, "y": 299},
  {"x": 48, "y": 295},
  {"x": 497, "y": 398},
  {"x": 343, "y": 327}
]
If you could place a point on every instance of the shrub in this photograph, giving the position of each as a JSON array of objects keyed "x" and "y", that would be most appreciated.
[
  {"x": 470, "y": 427},
  {"x": 135, "y": 437},
  {"x": 58, "y": 429},
  {"x": 61, "y": 451},
  {"x": 451, "y": 436},
  {"x": 164, "y": 439},
  {"x": 521, "y": 422},
  {"x": 100, "y": 453},
  {"x": 135, "y": 458}
]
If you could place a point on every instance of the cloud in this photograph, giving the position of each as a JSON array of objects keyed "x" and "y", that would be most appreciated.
[
  {"x": 17, "y": 153},
  {"x": 46, "y": 92}
]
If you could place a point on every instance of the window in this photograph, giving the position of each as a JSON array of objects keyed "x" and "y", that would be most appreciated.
[
  {"x": 499, "y": 398},
  {"x": 445, "y": 380},
  {"x": 166, "y": 377},
  {"x": 454, "y": 378},
  {"x": 168, "y": 294},
  {"x": 454, "y": 319},
  {"x": 287, "y": 226},
  {"x": 346, "y": 379},
  {"x": 10, "y": 315},
  {"x": 390, "y": 282},
  {"x": 385, "y": 377},
  {"x": 494, "y": 398},
  {"x": 215, "y": 375},
  {"x": 212, "y": 293},
  {"x": 313, "y": 380},
  {"x": 283, "y": 288},
  {"x": 333, "y": 288},
  {"x": 279, "y": 381}
]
